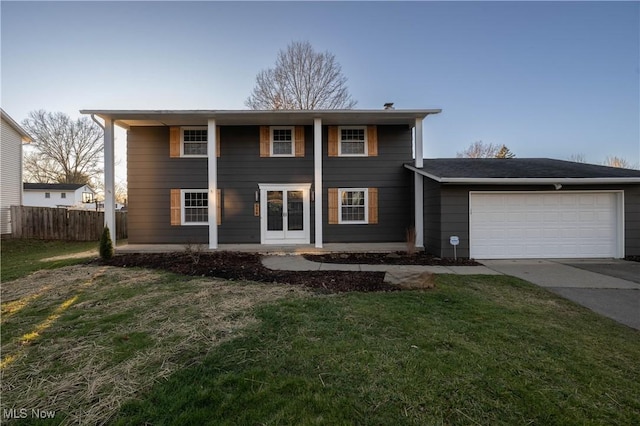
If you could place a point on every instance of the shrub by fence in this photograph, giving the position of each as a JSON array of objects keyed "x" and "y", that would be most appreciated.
[{"x": 45, "y": 223}]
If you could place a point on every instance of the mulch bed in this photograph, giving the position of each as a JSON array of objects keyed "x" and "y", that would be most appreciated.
[
  {"x": 395, "y": 258},
  {"x": 248, "y": 266},
  {"x": 633, "y": 258}
]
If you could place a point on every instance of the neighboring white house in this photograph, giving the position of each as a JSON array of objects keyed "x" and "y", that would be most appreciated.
[
  {"x": 66, "y": 195},
  {"x": 12, "y": 136}
]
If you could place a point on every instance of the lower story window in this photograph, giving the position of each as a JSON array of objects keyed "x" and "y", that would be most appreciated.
[
  {"x": 353, "y": 205},
  {"x": 195, "y": 206}
]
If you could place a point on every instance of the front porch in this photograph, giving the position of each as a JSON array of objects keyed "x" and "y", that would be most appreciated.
[{"x": 269, "y": 249}]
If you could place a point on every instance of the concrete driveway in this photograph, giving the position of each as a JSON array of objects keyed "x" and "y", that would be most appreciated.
[{"x": 609, "y": 287}]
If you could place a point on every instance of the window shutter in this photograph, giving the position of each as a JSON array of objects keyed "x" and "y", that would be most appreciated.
[
  {"x": 333, "y": 141},
  {"x": 219, "y": 205},
  {"x": 299, "y": 141},
  {"x": 372, "y": 141},
  {"x": 175, "y": 207},
  {"x": 373, "y": 205},
  {"x": 333, "y": 206},
  {"x": 174, "y": 142},
  {"x": 265, "y": 137},
  {"x": 217, "y": 141}
]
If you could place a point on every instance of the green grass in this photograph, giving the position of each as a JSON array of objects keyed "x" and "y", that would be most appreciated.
[
  {"x": 476, "y": 350},
  {"x": 22, "y": 257}
]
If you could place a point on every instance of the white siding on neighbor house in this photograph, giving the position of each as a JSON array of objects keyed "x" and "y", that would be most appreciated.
[
  {"x": 37, "y": 198},
  {"x": 10, "y": 174}
]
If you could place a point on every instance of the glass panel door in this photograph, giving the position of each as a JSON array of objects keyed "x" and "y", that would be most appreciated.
[
  {"x": 275, "y": 211},
  {"x": 294, "y": 211}
]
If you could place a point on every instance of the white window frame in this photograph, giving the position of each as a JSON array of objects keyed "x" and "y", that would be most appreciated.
[
  {"x": 183, "y": 207},
  {"x": 366, "y": 206},
  {"x": 366, "y": 142},
  {"x": 182, "y": 154},
  {"x": 292, "y": 129}
]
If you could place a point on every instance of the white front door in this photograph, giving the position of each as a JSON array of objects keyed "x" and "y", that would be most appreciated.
[{"x": 284, "y": 213}]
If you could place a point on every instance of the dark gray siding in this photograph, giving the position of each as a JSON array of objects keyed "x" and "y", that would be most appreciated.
[
  {"x": 432, "y": 217},
  {"x": 454, "y": 211},
  {"x": 151, "y": 175},
  {"x": 385, "y": 172},
  {"x": 241, "y": 169}
]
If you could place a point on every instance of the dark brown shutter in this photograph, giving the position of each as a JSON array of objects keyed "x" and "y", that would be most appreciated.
[
  {"x": 265, "y": 139},
  {"x": 176, "y": 205},
  {"x": 299, "y": 141},
  {"x": 174, "y": 142},
  {"x": 373, "y": 205},
  {"x": 332, "y": 139},
  {"x": 372, "y": 141}
]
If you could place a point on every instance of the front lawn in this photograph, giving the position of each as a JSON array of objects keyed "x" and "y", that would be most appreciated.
[
  {"x": 476, "y": 350},
  {"x": 21, "y": 257}
]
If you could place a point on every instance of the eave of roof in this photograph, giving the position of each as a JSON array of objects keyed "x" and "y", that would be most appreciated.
[
  {"x": 525, "y": 180},
  {"x": 28, "y": 186},
  {"x": 26, "y": 137},
  {"x": 128, "y": 118}
]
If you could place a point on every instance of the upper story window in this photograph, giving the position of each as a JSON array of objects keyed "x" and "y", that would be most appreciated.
[
  {"x": 47, "y": 195},
  {"x": 282, "y": 139},
  {"x": 194, "y": 141},
  {"x": 352, "y": 141},
  {"x": 63, "y": 195}
]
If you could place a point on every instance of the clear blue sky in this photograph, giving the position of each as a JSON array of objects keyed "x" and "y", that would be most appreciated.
[{"x": 548, "y": 79}]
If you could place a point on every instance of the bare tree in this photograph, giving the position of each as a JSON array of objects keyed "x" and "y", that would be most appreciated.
[
  {"x": 614, "y": 161},
  {"x": 479, "y": 150},
  {"x": 67, "y": 151},
  {"x": 505, "y": 152},
  {"x": 302, "y": 79},
  {"x": 577, "y": 158}
]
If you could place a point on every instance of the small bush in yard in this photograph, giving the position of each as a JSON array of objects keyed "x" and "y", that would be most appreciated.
[{"x": 106, "y": 247}]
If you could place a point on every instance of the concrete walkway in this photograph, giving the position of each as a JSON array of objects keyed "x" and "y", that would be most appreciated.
[{"x": 394, "y": 274}]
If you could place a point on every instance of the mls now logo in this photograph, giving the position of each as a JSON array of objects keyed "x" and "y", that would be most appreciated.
[{"x": 23, "y": 413}]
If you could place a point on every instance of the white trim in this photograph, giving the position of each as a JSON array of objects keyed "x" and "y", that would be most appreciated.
[
  {"x": 366, "y": 206},
  {"x": 183, "y": 221},
  {"x": 306, "y": 214},
  {"x": 419, "y": 149},
  {"x": 317, "y": 179},
  {"x": 619, "y": 205},
  {"x": 212, "y": 173},
  {"x": 526, "y": 181},
  {"x": 109, "y": 180},
  {"x": 292, "y": 142},
  {"x": 418, "y": 209},
  {"x": 366, "y": 144},
  {"x": 182, "y": 154}
]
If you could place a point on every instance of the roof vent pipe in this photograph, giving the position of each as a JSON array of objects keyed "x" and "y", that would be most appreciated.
[{"x": 389, "y": 105}]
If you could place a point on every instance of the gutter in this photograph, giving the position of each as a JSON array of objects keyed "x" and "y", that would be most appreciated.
[{"x": 526, "y": 181}]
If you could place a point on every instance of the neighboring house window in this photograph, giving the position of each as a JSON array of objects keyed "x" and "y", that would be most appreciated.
[
  {"x": 87, "y": 197},
  {"x": 352, "y": 206},
  {"x": 352, "y": 141},
  {"x": 282, "y": 141},
  {"x": 194, "y": 141},
  {"x": 195, "y": 206},
  {"x": 47, "y": 195},
  {"x": 63, "y": 195}
]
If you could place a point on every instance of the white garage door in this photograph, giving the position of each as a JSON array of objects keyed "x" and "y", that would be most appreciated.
[{"x": 543, "y": 225}]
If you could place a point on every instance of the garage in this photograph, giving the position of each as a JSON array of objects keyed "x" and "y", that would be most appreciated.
[
  {"x": 527, "y": 208},
  {"x": 578, "y": 224}
]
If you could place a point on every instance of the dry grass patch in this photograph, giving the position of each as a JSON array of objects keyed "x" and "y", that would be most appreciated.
[{"x": 83, "y": 339}]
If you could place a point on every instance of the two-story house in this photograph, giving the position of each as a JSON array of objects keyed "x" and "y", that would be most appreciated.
[{"x": 344, "y": 176}]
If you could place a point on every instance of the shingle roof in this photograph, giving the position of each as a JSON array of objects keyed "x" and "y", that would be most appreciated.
[
  {"x": 448, "y": 169},
  {"x": 53, "y": 186}
]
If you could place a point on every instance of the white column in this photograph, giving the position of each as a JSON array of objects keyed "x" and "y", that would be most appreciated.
[
  {"x": 213, "y": 183},
  {"x": 109, "y": 180},
  {"x": 317, "y": 178},
  {"x": 418, "y": 184}
]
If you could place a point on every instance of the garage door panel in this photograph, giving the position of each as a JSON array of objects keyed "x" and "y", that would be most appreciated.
[{"x": 534, "y": 225}]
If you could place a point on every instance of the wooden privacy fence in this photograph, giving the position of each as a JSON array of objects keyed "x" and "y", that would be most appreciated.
[{"x": 45, "y": 223}]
